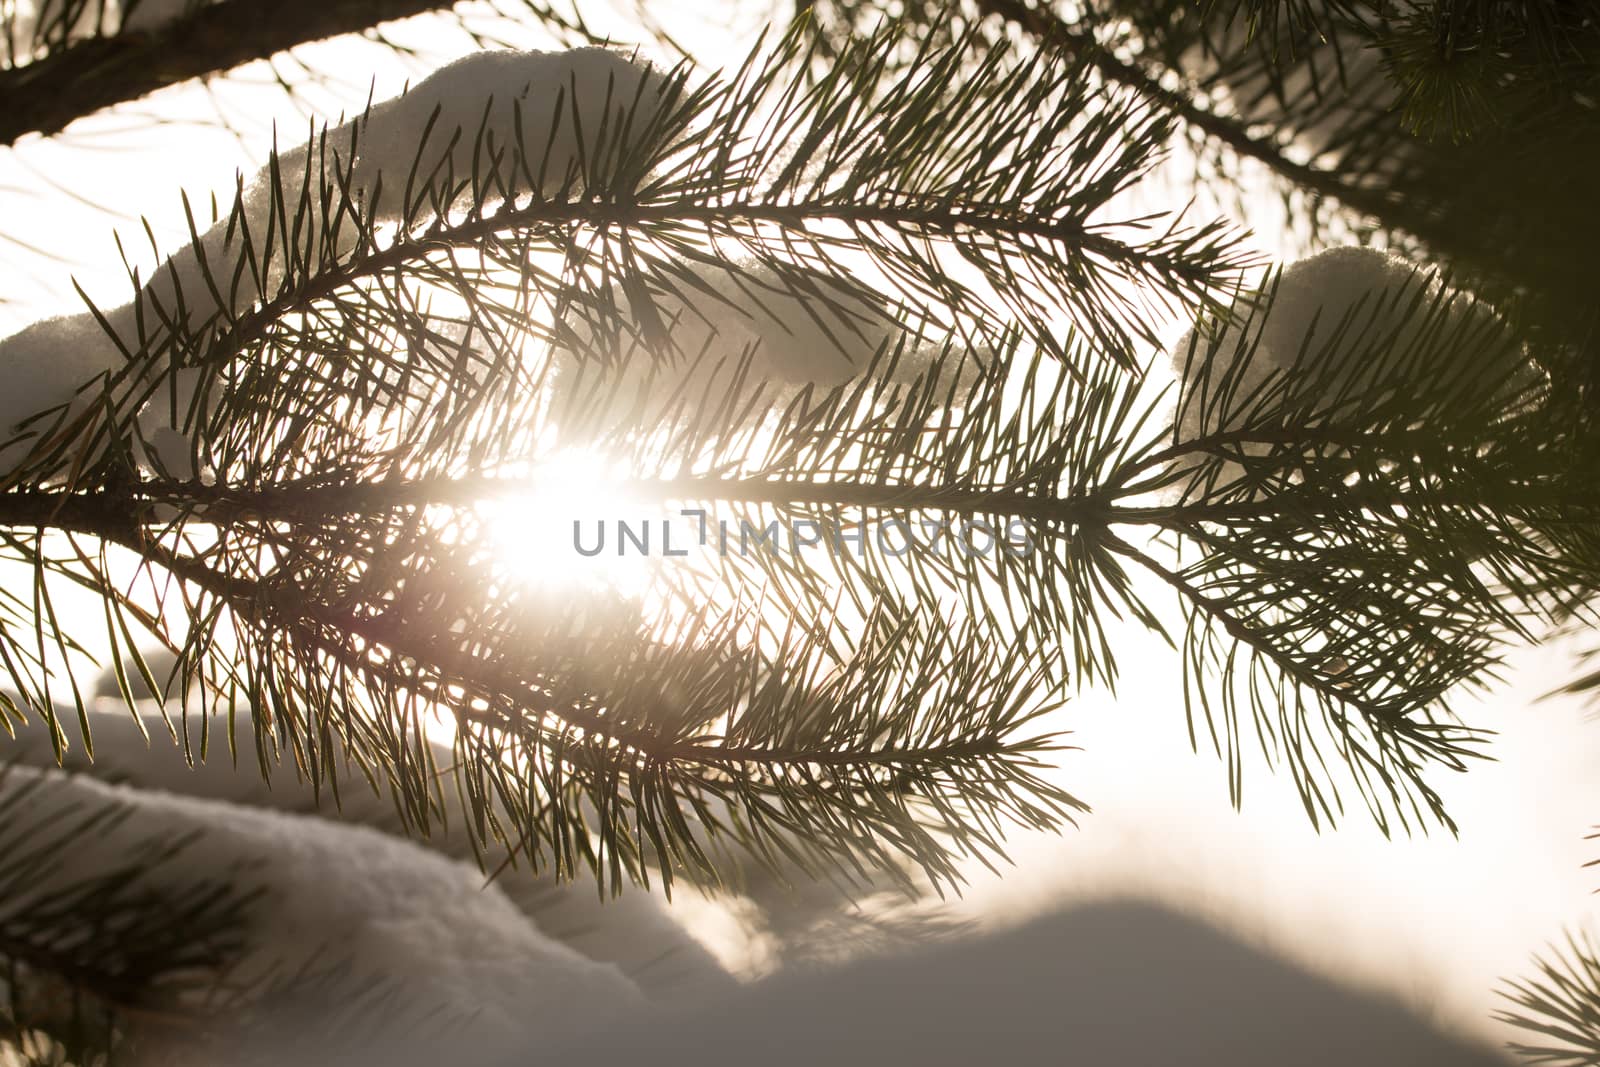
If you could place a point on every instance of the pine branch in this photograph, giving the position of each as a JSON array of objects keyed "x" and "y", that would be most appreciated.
[
  {"x": 1053, "y": 31},
  {"x": 1257, "y": 548},
  {"x": 1560, "y": 1008},
  {"x": 1420, "y": 122},
  {"x": 371, "y": 344},
  {"x": 1373, "y": 200}
]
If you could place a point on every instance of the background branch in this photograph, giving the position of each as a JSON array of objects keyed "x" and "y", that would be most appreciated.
[{"x": 44, "y": 96}]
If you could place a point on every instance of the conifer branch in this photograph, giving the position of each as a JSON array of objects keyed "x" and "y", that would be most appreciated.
[
  {"x": 367, "y": 349},
  {"x": 1373, "y": 201},
  {"x": 1053, "y": 31},
  {"x": 1558, "y": 1009}
]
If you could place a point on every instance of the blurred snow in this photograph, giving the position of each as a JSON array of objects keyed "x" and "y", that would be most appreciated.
[
  {"x": 1115, "y": 982},
  {"x": 330, "y": 899},
  {"x": 635, "y": 931}
]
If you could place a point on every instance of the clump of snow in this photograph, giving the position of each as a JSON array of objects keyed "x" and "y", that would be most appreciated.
[
  {"x": 55, "y": 372},
  {"x": 803, "y": 327},
  {"x": 325, "y": 898},
  {"x": 1355, "y": 297},
  {"x": 52, "y": 372},
  {"x": 796, "y": 327},
  {"x": 1314, "y": 296},
  {"x": 1317, "y": 293},
  {"x": 569, "y": 111},
  {"x": 167, "y": 425},
  {"x": 566, "y": 110}
]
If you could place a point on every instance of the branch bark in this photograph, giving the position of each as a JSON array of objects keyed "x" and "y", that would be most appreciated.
[{"x": 44, "y": 96}]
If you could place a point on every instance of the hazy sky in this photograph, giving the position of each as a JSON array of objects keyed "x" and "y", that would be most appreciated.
[{"x": 1438, "y": 920}]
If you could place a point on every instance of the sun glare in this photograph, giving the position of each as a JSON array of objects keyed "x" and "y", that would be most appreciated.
[{"x": 548, "y": 535}]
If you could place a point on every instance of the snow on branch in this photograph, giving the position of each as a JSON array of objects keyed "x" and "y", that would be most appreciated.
[
  {"x": 1339, "y": 336},
  {"x": 495, "y": 123}
]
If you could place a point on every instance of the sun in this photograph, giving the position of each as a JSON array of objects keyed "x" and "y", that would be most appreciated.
[{"x": 544, "y": 535}]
